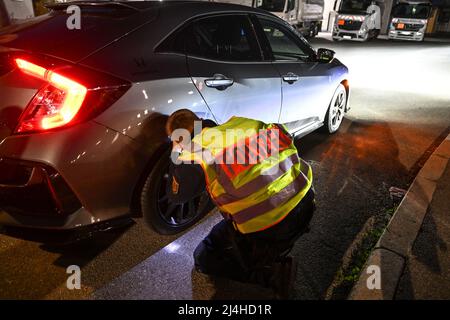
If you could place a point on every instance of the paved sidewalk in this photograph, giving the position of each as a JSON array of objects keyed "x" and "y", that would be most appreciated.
[
  {"x": 169, "y": 274},
  {"x": 427, "y": 271},
  {"x": 413, "y": 253}
]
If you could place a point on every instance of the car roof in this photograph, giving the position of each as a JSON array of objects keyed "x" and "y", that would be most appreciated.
[
  {"x": 189, "y": 7},
  {"x": 207, "y": 6},
  {"x": 106, "y": 22}
]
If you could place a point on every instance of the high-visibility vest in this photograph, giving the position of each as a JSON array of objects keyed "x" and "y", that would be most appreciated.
[{"x": 253, "y": 172}]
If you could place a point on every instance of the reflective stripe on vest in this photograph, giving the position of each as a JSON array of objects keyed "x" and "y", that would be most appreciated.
[{"x": 262, "y": 184}]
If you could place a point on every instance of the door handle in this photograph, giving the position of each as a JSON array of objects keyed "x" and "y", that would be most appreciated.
[
  {"x": 290, "y": 78},
  {"x": 219, "y": 81}
]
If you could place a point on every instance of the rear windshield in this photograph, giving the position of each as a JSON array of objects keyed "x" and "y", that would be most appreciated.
[{"x": 99, "y": 26}]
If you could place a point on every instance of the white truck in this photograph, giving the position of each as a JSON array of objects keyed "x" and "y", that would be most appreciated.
[
  {"x": 409, "y": 20},
  {"x": 13, "y": 11},
  {"x": 358, "y": 20},
  {"x": 305, "y": 15}
]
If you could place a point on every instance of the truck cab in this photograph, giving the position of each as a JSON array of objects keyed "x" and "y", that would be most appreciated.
[
  {"x": 13, "y": 11},
  {"x": 409, "y": 21},
  {"x": 304, "y": 15},
  {"x": 358, "y": 20}
]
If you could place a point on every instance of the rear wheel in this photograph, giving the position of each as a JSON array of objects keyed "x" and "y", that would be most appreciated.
[
  {"x": 377, "y": 33},
  {"x": 162, "y": 215},
  {"x": 336, "y": 110}
]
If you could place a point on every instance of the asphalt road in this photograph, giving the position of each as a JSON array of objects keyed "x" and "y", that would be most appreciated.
[{"x": 400, "y": 111}]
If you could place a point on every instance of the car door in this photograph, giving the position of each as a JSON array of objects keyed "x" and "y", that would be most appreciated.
[
  {"x": 305, "y": 82},
  {"x": 226, "y": 65}
]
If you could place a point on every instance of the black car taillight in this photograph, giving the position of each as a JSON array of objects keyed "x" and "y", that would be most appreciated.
[{"x": 70, "y": 94}]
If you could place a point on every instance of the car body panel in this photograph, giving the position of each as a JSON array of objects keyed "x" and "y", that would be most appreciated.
[
  {"x": 104, "y": 159},
  {"x": 316, "y": 86},
  {"x": 313, "y": 82},
  {"x": 49, "y": 35},
  {"x": 146, "y": 106},
  {"x": 251, "y": 80},
  {"x": 97, "y": 162}
]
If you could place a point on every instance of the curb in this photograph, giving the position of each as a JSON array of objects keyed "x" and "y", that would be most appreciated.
[{"x": 395, "y": 244}]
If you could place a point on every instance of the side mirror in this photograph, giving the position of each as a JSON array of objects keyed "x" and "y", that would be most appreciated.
[{"x": 325, "y": 55}]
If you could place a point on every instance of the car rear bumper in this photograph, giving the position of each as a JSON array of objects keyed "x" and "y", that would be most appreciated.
[
  {"x": 35, "y": 189},
  {"x": 68, "y": 178}
]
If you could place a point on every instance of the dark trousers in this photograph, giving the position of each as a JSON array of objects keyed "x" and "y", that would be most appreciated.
[{"x": 225, "y": 252}]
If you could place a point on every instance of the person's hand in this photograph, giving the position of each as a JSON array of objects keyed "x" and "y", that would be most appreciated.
[{"x": 177, "y": 147}]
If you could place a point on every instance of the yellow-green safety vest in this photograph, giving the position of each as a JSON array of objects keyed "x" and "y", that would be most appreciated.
[{"x": 253, "y": 172}]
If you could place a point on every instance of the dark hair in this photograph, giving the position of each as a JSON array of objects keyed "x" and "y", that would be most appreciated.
[{"x": 181, "y": 119}]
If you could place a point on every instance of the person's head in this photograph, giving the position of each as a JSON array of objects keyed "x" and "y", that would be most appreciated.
[{"x": 181, "y": 119}]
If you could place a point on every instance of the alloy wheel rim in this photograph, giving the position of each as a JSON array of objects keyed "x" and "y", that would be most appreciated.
[
  {"x": 338, "y": 110},
  {"x": 177, "y": 215}
]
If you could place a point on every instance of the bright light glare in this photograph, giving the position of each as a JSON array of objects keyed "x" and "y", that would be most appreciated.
[
  {"x": 172, "y": 247},
  {"x": 399, "y": 70}
]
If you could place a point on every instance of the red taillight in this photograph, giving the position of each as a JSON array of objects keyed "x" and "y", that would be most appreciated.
[
  {"x": 31, "y": 68},
  {"x": 55, "y": 105}
]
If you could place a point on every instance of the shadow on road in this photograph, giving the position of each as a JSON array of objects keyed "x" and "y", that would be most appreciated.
[
  {"x": 429, "y": 242},
  {"x": 353, "y": 171},
  {"x": 33, "y": 277},
  {"x": 38, "y": 271}
]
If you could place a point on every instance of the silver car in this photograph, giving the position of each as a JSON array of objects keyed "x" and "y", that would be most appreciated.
[{"x": 82, "y": 111}]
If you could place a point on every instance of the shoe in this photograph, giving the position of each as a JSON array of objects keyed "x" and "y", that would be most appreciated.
[{"x": 285, "y": 273}]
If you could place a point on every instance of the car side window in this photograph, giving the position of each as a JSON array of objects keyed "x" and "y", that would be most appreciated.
[
  {"x": 282, "y": 42},
  {"x": 225, "y": 38}
]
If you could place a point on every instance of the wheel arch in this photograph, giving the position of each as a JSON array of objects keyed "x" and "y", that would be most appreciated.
[
  {"x": 135, "y": 205},
  {"x": 347, "y": 91},
  {"x": 154, "y": 156}
]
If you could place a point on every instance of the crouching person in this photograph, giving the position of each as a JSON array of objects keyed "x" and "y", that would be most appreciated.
[{"x": 262, "y": 187}]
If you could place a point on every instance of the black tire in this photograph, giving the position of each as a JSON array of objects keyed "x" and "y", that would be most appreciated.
[
  {"x": 158, "y": 213},
  {"x": 377, "y": 33},
  {"x": 374, "y": 34}
]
